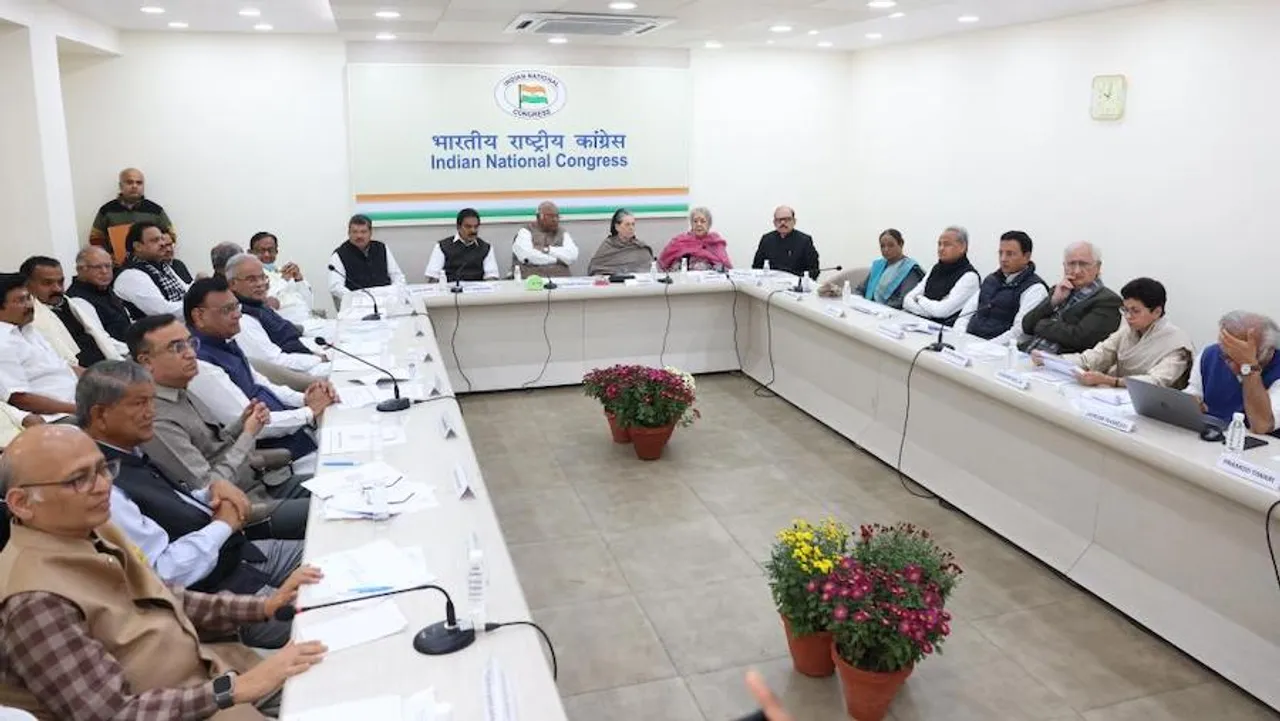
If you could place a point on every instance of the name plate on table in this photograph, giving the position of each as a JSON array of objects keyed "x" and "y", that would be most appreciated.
[
  {"x": 461, "y": 485},
  {"x": 1013, "y": 379},
  {"x": 1124, "y": 425},
  {"x": 834, "y": 311},
  {"x": 1240, "y": 468},
  {"x": 959, "y": 360},
  {"x": 891, "y": 331},
  {"x": 446, "y": 427},
  {"x": 865, "y": 309}
]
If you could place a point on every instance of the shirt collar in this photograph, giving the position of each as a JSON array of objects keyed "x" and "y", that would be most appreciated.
[
  {"x": 173, "y": 395},
  {"x": 458, "y": 239}
]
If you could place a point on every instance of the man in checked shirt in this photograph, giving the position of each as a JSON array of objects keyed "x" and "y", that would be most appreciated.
[{"x": 89, "y": 632}]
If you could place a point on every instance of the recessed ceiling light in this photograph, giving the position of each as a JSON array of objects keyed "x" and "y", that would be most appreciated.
[
  {"x": 881, "y": 4},
  {"x": 968, "y": 18},
  {"x": 713, "y": 45},
  {"x": 264, "y": 27},
  {"x": 780, "y": 29},
  {"x": 824, "y": 44},
  {"x": 385, "y": 36},
  {"x": 177, "y": 25},
  {"x": 874, "y": 36},
  {"x": 387, "y": 15},
  {"x": 895, "y": 16},
  {"x": 813, "y": 32},
  {"x": 622, "y": 5},
  {"x": 557, "y": 40},
  {"x": 152, "y": 9},
  {"x": 250, "y": 13}
]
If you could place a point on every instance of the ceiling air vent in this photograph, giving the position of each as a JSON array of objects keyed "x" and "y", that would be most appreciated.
[{"x": 585, "y": 24}]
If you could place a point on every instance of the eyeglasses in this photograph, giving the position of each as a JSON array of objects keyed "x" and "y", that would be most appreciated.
[
  {"x": 178, "y": 347},
  {"x": 1126, "y": 311},
  {"x": 259, "y": 278},
  {"x": 96, "y": 266},
  {"x": 228, "y": 309},
  {"x": 1079, "y": 264},
  {"x": 84, "y": 482},
  {"x": 778, "y": 221}
]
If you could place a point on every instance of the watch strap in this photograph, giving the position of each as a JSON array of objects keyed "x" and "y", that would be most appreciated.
[{"x": 224, "y": 688}]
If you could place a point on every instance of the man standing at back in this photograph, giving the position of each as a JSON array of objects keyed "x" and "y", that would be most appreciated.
[
  {"x": 112, "y": 222},
  {"x": 786, "y": 248},
  {"x": 94, "y": 273},
  {"x": 361, "y": 262},
  {"x": 543, "y": 247},
  {"x": 465, "y": 256},
  {"x": 1006, "y": 295}
]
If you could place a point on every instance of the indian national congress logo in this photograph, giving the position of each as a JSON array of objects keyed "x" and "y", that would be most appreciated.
[{"x": 531, "y": 94}]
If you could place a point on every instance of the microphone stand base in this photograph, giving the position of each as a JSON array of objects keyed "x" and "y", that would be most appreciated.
[
  {"x": 391, "y": 405},
  {"x": 372, "y": 316},
  {"x": 938, "y": 347},
  {"x": 665, "y": 280},
  {"x": 438, "y": 640},
  {"x": 455, "y": 288}
]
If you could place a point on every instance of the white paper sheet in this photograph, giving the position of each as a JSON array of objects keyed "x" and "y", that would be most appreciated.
[
  {"x": 355, "y": 628},
  {"x": 346, "y": 364},
  {"x": 329, "y": 483},
  {"x": 1060, "y": 366},
  {"x": 404, "y": 497},
  {"x": 1109, "y": 396},
  {"x": 336, "y": 440},
  {"x": 1049, "y": 377},
  {"x": 356, "y": 572},
  {"x": 388, "y": 708}
]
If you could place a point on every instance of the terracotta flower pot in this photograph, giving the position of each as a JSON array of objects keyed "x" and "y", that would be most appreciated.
[
  {"x": 620, "y": 434},
  {"x": 867, "y": 694},
  {"x": 811, "y": 653},
  {"x": 649, "y": 442}
]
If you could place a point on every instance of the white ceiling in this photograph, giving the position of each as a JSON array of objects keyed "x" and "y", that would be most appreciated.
[{"x": 734, "y": 23}]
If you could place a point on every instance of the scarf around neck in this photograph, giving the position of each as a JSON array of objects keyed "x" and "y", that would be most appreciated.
[
  {"x": 710, "y": 248},
  {"x": 944, "y": 276},
  {"x": 621, "y": 256}
]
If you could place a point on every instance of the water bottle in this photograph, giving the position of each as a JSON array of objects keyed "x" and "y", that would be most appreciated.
[
  {"x": 1011, "y": 355},
  {"x": 653, "y": 270},
  {"x": 766, "y": 266},
  {"x": 516, "y": 275},
  {"x": 846, "y": 293},
  {"x": 1235, "y": 434},
  {"x": 684, "y": 265}
]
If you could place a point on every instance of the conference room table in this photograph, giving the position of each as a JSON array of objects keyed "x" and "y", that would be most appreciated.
[{"x": 1135, "y": 511}]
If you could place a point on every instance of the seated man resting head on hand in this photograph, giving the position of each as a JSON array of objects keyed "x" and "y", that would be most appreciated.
[{"x": 1240, "y": 373}]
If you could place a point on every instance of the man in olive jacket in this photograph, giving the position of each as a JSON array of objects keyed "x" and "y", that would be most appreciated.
[{"x": 1081, "y": 312}]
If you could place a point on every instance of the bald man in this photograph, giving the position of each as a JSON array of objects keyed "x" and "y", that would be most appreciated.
[
  {"x": 786, "y": 248},
  {"x": 111, "y": 224},
  {"x": 77, "y": 644},
  {"x": 543, "y": 247}
]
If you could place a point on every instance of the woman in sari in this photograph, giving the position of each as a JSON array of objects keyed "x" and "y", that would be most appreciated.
[
  {"x": 892, "y": 275},
  {"x": 704, "y": 248},
  {"x": 622, "y": 252},
  {"x": 1147, "y": 346}
]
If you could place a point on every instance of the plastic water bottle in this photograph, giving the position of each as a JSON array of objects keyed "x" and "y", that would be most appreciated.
[
  {"x": 516, "y": 274},
  {"x": 1235, "y": 434},
  {"x": 846, "y": 293},
  {"x": 766, "y": 266},
  {"x": 1011, "y": 355},
  {"x": 684, "y": 265},
  {"x": 653, "y": 270}
]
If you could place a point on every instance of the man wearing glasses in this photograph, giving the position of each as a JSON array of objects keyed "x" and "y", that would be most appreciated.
[
  {"x": 94, "y": 272},
  {"x": 265, "y": 335},
  {"x": 786, "y": 248},
  {"x": 33, "y": 377},
  {"x": 543, "y": 247},
  {"x": 1080, "y": 313}
]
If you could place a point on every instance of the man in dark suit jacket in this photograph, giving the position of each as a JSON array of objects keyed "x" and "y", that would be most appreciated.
[
  {"x": 786, "y": 248},
  {"x": 1080, "y": 313}
]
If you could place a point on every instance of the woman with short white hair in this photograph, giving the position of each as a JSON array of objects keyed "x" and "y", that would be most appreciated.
[{"x": 704, "y": 247}]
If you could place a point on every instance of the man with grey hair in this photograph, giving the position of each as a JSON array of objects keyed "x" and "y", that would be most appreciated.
[
  {"x": 787, "y": 249},
  {"x": 94, "y": 272},
  {"x": 543, "y": 247},
  {"x": 1080, "y": 313},
  {"x": 265, "y": 335},
  {"x": 951, "y": 282},
  {"x": 1239, "y": 373},
  {"x": 195, "y": 538},
  {"x": 220, "y": 254}
]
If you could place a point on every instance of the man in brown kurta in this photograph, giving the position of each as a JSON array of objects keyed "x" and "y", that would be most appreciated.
[{"x": 89, "y": 631}]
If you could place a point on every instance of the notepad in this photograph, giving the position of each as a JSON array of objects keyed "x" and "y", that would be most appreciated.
[
  {"x": 356, "y": 572},
  {"x": 355, "y": 628}
]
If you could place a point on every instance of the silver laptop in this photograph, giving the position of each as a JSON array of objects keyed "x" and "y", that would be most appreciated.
[{"x": 1170, "y": 406}]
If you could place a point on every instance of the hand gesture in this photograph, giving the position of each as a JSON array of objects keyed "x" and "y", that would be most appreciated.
[
  {"x": 317, "y": 397},
  {"x": 256, "y": 417},
  {"x": 224, "y": 492},
  {"x": 273, "y": 303},
  {"x": 1037, "y": 358},
  {"x": 262, "y": 680},
  {"x": 1061, "y": 291},
  {"x": 228, "y": 513},
  {"x": 769, "y": 703},
  {"x": 288, "y": 592},
  {"x": 1240, "y": 351},
  {"x": 1094, "y": 378},
  {"x": 291, "y": 271}
]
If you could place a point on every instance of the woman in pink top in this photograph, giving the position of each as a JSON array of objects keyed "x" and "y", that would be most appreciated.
[{"x": 704, "y": 248}]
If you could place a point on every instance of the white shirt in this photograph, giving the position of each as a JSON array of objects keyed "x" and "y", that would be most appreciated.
[
  {"x": 338, "y": 284},
  {"x": 256, "y": 344},
  {"x": 28, "y": 364},
  {"x": 297, "y": 300},
  {"x": 226, "y": 402},
  {"x": 1195, "y": 386},
  {"x": 136, "y": 287},
  {"x": 183, "y": 561},
  {"x": 1031, "y": 297},
  {"x": 525, "y": 252},
  {"x": 59, "y": 337},
  {"x": 917, "y": 304},
  {"x": 435, "y": 264}
]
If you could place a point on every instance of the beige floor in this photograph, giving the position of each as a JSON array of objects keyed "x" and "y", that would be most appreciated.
[{"x": 647, "y": 575}]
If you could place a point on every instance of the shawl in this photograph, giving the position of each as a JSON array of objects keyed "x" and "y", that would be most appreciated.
[
  {"x": 1126, "y": 354},
  {"x": 711, "y": 248},
  {"x": 616, "y": 255}
]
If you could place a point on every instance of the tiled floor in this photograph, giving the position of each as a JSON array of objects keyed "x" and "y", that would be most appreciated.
[{"x": 647, "y": 575}]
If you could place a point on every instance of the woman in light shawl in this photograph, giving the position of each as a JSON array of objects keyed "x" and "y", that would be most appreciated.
[
  {"x": 892, "y": 275},
  {"x": 1148, "y": 346},
  {"x": 622, "y": 252},
  {"x": 704, "y": 248}
]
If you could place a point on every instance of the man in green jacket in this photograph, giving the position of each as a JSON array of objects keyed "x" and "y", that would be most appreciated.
[
  {"x": 1080, "y": 313},
  {"x": 111, "y": 224}
]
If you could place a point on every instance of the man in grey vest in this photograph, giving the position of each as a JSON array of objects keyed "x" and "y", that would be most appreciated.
[{"x": 543, "y": 247}]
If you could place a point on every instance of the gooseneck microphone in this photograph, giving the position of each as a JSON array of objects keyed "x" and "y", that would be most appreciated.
[
  {"x": 390, "y": 405},
  {"x": 438, "y": 639},
  {"x": 799, "y": 286},
  {"x": 939, "y": 345},
  {"x": 375, "y": 315}
]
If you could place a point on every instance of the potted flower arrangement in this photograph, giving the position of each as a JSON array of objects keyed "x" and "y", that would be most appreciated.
[
  {"x": 803, "y": 556},
  {"x": 652, "y": 403},
  {"x": 607, "y": 385},
  {"x": 885, "y": 602}
]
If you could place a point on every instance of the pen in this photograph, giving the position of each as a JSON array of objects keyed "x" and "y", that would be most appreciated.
[
  {"x": 370, "y": 589},
  {"x": 337, "y": 463}
]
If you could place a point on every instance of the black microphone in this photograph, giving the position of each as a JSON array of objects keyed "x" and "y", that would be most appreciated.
[
  {"x": 375, "y": 315},
  {"x": 438, "y": 639},
  {"x": 799, "y": 287},
  {"x": 391, "y": 404},
  {"x": 939, "y": 345}
]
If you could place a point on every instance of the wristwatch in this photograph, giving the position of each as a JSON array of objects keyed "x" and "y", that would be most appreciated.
[
  {"x": 1246, "y": 370},
  {"x": 224, "y": 688}
]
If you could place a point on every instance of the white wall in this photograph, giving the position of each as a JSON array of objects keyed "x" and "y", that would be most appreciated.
[
  {"x": 992, "y": 130},
  {"x": 236, "y": 134}
]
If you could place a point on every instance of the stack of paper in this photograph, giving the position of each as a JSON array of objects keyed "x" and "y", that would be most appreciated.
[
  {"x": 422, "y": 706},
  {"x": 353, "y": 629},
  {"x": 1061, "y": 366},
  {"x": 402, "y": 497},
  {"x": 373, "y": 568},
  {"x": 338, "y": 439},
  {"x": 327, "y": 485}
]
